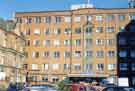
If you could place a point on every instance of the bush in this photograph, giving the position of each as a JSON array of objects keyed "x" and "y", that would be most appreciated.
[{"x": 62, "y": 83}]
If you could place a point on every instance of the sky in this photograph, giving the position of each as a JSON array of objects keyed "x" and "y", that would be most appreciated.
[{"x": 9, "y": 7}]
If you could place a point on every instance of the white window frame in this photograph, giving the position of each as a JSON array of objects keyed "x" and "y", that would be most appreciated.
[
  {"x": 111, "y": 67},
  {"x": 37, "y": 31},
  {"x": 34, "y": 42},
  {"x": 45, "y": 66},
  {"x": 56, "y": 42},
  {"x": 67, "y": 19},
  {"x": 55, "y": 66},
  {"x": 99, "y": 17},
  {"x": 67, "y": 42},
  {"x": 77, "y": 18},
  {"x": 34, "y": 66}
]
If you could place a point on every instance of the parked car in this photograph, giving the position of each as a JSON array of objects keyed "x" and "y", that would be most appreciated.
[
  {"x": 42, "y": 88},
  {"x": 12, "y": 87},
  {"x": 118, "y": 89}
]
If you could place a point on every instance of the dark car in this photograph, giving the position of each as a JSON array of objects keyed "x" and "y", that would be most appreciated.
[
  {"x": 113, "y": 89},
  {"x": 118, "y": 89},
  {"x": 12, "y": 87}
]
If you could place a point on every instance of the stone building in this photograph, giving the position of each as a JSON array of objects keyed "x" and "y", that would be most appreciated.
[{"x": 11, "y": 53}]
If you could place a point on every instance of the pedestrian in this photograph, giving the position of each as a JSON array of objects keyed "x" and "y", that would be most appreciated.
[{"x": 26, "y": 87}]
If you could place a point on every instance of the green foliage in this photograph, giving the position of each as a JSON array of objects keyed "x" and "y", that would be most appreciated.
[{"x": 62, "y": 83}]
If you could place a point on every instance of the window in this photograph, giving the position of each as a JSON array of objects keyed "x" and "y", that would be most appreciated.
[
  {"x": 48, "y": 19},
  {"x": 123, "y": 53},
  {"x": 32, "y": 78},
  {"x": 2, "y": 60},
  {"x": 56, "y": 54},
  {"x": 77, "y": 19},
  {"x": 36, "y": 42},
  {"x": 110, "y": 17},
  {"x": 121, "y": 17},
  {"x": 28, "y": 32},
  {"x": 122, "y": 41},
  {"x": 133, "y": 67},
  {"x": 132, "y": 54},
  {"x": 47, "y": 42},
  {"x": 56, "y": 42},
  {"x": 78, "y": 30},
  {"x": 25, "y": 20},
  {"x": 121, "y": 29},
  {"x": 99, "y": 18},
  {"x": 46, "y": 54},
  {"x": 132, "y": 16},
  {"x": 37, "y": 31},
  {"x": 77, "y": 54},
  {"x": 67, "y": 42},
  {"x": 89, "y": 54},
  {"x": 27, "y": 42},
  {"x": 35, "y": 54},
  {"x": 47, "y": 31},
  {"x": 67, "y": 19},
  {"x": 77, "y": 67},
  {"x": 123, "y": 66},
  {"x": 1, "y": 68},
  {"x": 67, "y": 31},
  {"x": 110, "y": 29},
  {"x": 19, "y": 20},
  {"x": 58, "y": 19},
  {"x": 46, "y": 66},
  {"x": 2, "y": 76},
  {"x": 100, "y": 54},
  {"x": 88, "y": 30},
  {"x": 78, "y": 42},
  {"x": 88, "y": 67},
  {"x": 131, "y": 40},
  {"x": 29, "y": 20},
  {"x": 55, "y": 66},
  {"x": 55, "y": 79},
  {"x": 67, "y": 54},
  {"x": 38, "y": 20},
  {"x": 100, "y": 67},
  {"x": 99, "y": 42},
  {"x": 34, "y": 66},
  {"x": 88, "y": 42},
  {"x": 89, "y": 18},
  {"x": 45, "y": 79},
  {"x": 110, "y": 42},
  {"x": 110, "y": 54},
  {"x": 57, "y": 31},
  {"x": 5, "y": 43},
  {"x": 133, "y": 81},
  {"x": 111, "y": 67},
  {"x": 99, "y": 29},
  {"x": 66, "y": 66}
]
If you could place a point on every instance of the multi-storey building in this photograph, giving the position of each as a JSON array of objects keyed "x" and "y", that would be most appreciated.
[
  {"x": 11, "y": 54},
  {"x": 131, "y": 3},
  {"x": 66, "y": 42},
  {"x": 126, "y": 53}
]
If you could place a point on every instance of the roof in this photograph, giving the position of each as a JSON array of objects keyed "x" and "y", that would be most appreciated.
[{"x": 70, "y": 10}]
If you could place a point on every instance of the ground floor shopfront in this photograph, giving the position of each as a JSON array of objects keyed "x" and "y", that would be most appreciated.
[
  {"x": 11, "y": 74},
  {"x": 37, "y": 78}
]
